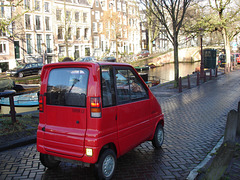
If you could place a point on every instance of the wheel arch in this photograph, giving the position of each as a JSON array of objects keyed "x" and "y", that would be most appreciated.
[{"x": 109, "y": 146}]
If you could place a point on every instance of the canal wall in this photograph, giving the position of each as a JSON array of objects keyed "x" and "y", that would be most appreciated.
[{"x": 189, "y": 55}]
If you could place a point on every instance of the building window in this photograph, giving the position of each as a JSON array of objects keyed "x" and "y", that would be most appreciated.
[
  {"x": 76, "y": 16},
  {"x": 58, "y": 14},
  {"x": 47, "y": 23},
  {"x": 100, "y": 27},
  {"x": 38, "y": 22},
  {"x": 2, "y": 32},
  {"x": 37, "y": 5},
  {"x": 97, "y": 3},
  {"x": 2, "y": 10},
  {"x": 96, "y": 42},
  {"x": 27, "y": 4},
  {"x": 39, "y": 43},
  {"x": 68, "y": 15},
  {"x": 69, "y": 33},
  {"x": 47, "y": 7},
  {"x": 2, "y": 47},
  {"x": 86, "y": 33},
  {"x": 77, "y": 33},
  {"x": 29, "y": 43},
  {"x": 28, "y": 21},
  {"x": 124, "y": 8},
  {"x": 60, "y": 33},
  {"x": 118, "y": 6},
  {"x": 97, "y": 15},
  {"x": 94, "y": 27},
  {"x": 85, "y": 17},
  {"x": 48, "y": 43}
]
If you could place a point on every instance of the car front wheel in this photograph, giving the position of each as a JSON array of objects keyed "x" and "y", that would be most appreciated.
[
  {"x": 106, "y": 165},
  {"x": 20, "y": 75},
  {"x": 158, "y": 136},
  {"x": 48, "y": 161}
]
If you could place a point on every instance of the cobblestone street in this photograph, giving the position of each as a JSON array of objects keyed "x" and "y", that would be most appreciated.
[{"x": 194, "y": 123}]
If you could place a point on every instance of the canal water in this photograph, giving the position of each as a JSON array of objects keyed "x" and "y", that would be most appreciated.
[{"x": 166, "y": 72}]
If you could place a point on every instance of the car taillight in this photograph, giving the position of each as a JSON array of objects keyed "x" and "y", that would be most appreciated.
[
  {"x": 95, "y": 106},
  {"x": 40, "y": 103}
]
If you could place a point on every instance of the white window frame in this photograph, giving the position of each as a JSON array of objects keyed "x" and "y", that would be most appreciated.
[
  {"x": 4, "y": 45},
  {"x": 40, "y": 43},
  {"x": 97, "y": 15},
  {"x": 49, "y": 7},
  {"x": 31, "y": 23},
  {"x": 30, "y": 4},
  {"x": 51, "y": 42},
  {"x": 40, "y": 20},
  {"x": 124, "y": 7},
  {"x": 31, "y": 43},
  {"x": 40, "y": 5},
  {"x": 96, "y": 42},
  {"x": 95, "y": 27},
  {"x": 119, "y": 8},
  {"x": 50, "y": 23}
]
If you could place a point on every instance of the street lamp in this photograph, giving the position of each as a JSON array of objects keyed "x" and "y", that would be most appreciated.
[{"x": 202, "y": 63}]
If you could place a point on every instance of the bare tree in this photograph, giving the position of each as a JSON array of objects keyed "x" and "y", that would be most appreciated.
[
  {"x": 170, "y": 14},
  {"x": 113, "y": 27},
  {"x": 227, "y": 18}
]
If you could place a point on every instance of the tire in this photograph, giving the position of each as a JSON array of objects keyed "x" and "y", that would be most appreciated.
[
  {"x": 20, "y": 75},
  {"x": 106, "y": 165},
  {"x": 48, "y": 161},
  {"x": 158, "y": 136}
]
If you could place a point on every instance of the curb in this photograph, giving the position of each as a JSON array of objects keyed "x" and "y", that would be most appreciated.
[{"x": 19, "y": 142}]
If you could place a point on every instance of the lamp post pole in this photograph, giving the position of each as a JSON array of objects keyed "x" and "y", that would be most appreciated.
[{"x": 202, "y": 62}]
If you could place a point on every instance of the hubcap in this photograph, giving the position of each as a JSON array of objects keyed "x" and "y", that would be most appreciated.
[
  {"x": 160, "y": 136},
  {"x": 108, "y": 166}
]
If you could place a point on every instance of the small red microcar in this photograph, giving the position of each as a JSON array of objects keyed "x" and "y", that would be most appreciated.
[{"x": 94, "y": 112}]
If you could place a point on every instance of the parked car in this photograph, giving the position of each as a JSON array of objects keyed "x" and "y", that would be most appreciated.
[
  {"x": 88, "y": 58},
  {"x": 109, "y": 59},
  {"x": 26, "y": 70},
  {"x": 222, "y": 60},
  {"x": 143, "y": 53},
  {"x": 236, "y": 57},
  {"x": 94, "y": 112}
]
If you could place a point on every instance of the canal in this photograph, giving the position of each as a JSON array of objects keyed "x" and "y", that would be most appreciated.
[{"x": 166, "y": 72}]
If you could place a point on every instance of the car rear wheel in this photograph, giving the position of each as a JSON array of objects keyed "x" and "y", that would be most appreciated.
[
  {"x": 158, "y": 136},
  {"x": 106, "y": 165},
  {"x": 20, "y": 75},
  {"x": 48, "y": 161}
]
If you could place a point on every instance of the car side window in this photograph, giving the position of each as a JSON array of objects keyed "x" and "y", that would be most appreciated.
[
  {"x": 107, "y": 86},
  {"x": 67, "y": 87},
  {"x": 129, "y": 86}
]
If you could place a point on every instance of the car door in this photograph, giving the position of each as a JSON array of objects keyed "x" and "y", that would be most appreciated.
[
  {"x": 65, "y": 111},
  {"x": 133, "y": 109}
]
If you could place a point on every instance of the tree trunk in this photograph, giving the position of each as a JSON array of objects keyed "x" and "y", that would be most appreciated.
[
  {"x": 176, "y": 65},
  {"x": 227, "y": 47}
]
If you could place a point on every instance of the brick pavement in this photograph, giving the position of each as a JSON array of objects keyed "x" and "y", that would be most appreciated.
[{"x": 194, "y": 122}]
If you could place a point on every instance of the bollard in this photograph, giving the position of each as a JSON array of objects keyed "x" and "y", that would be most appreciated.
[
  {"x": 189, "y": 85},
  {"x": 216, "y": 73},
  {"x": 205, "y": 77},
  {"x": 210, "y": 74},
  {"x": 231, "y": 127},
  {"x": 198, "y": 79},
  {"x": 180, "y": 84}
]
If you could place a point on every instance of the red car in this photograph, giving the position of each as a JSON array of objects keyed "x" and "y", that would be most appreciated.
[
  {"x": 92, "y": 113},
  {"x": 236, "y": 56}
]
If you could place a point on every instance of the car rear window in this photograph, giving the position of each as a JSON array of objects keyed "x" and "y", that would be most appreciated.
[{"x": 67, "y": 87}]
